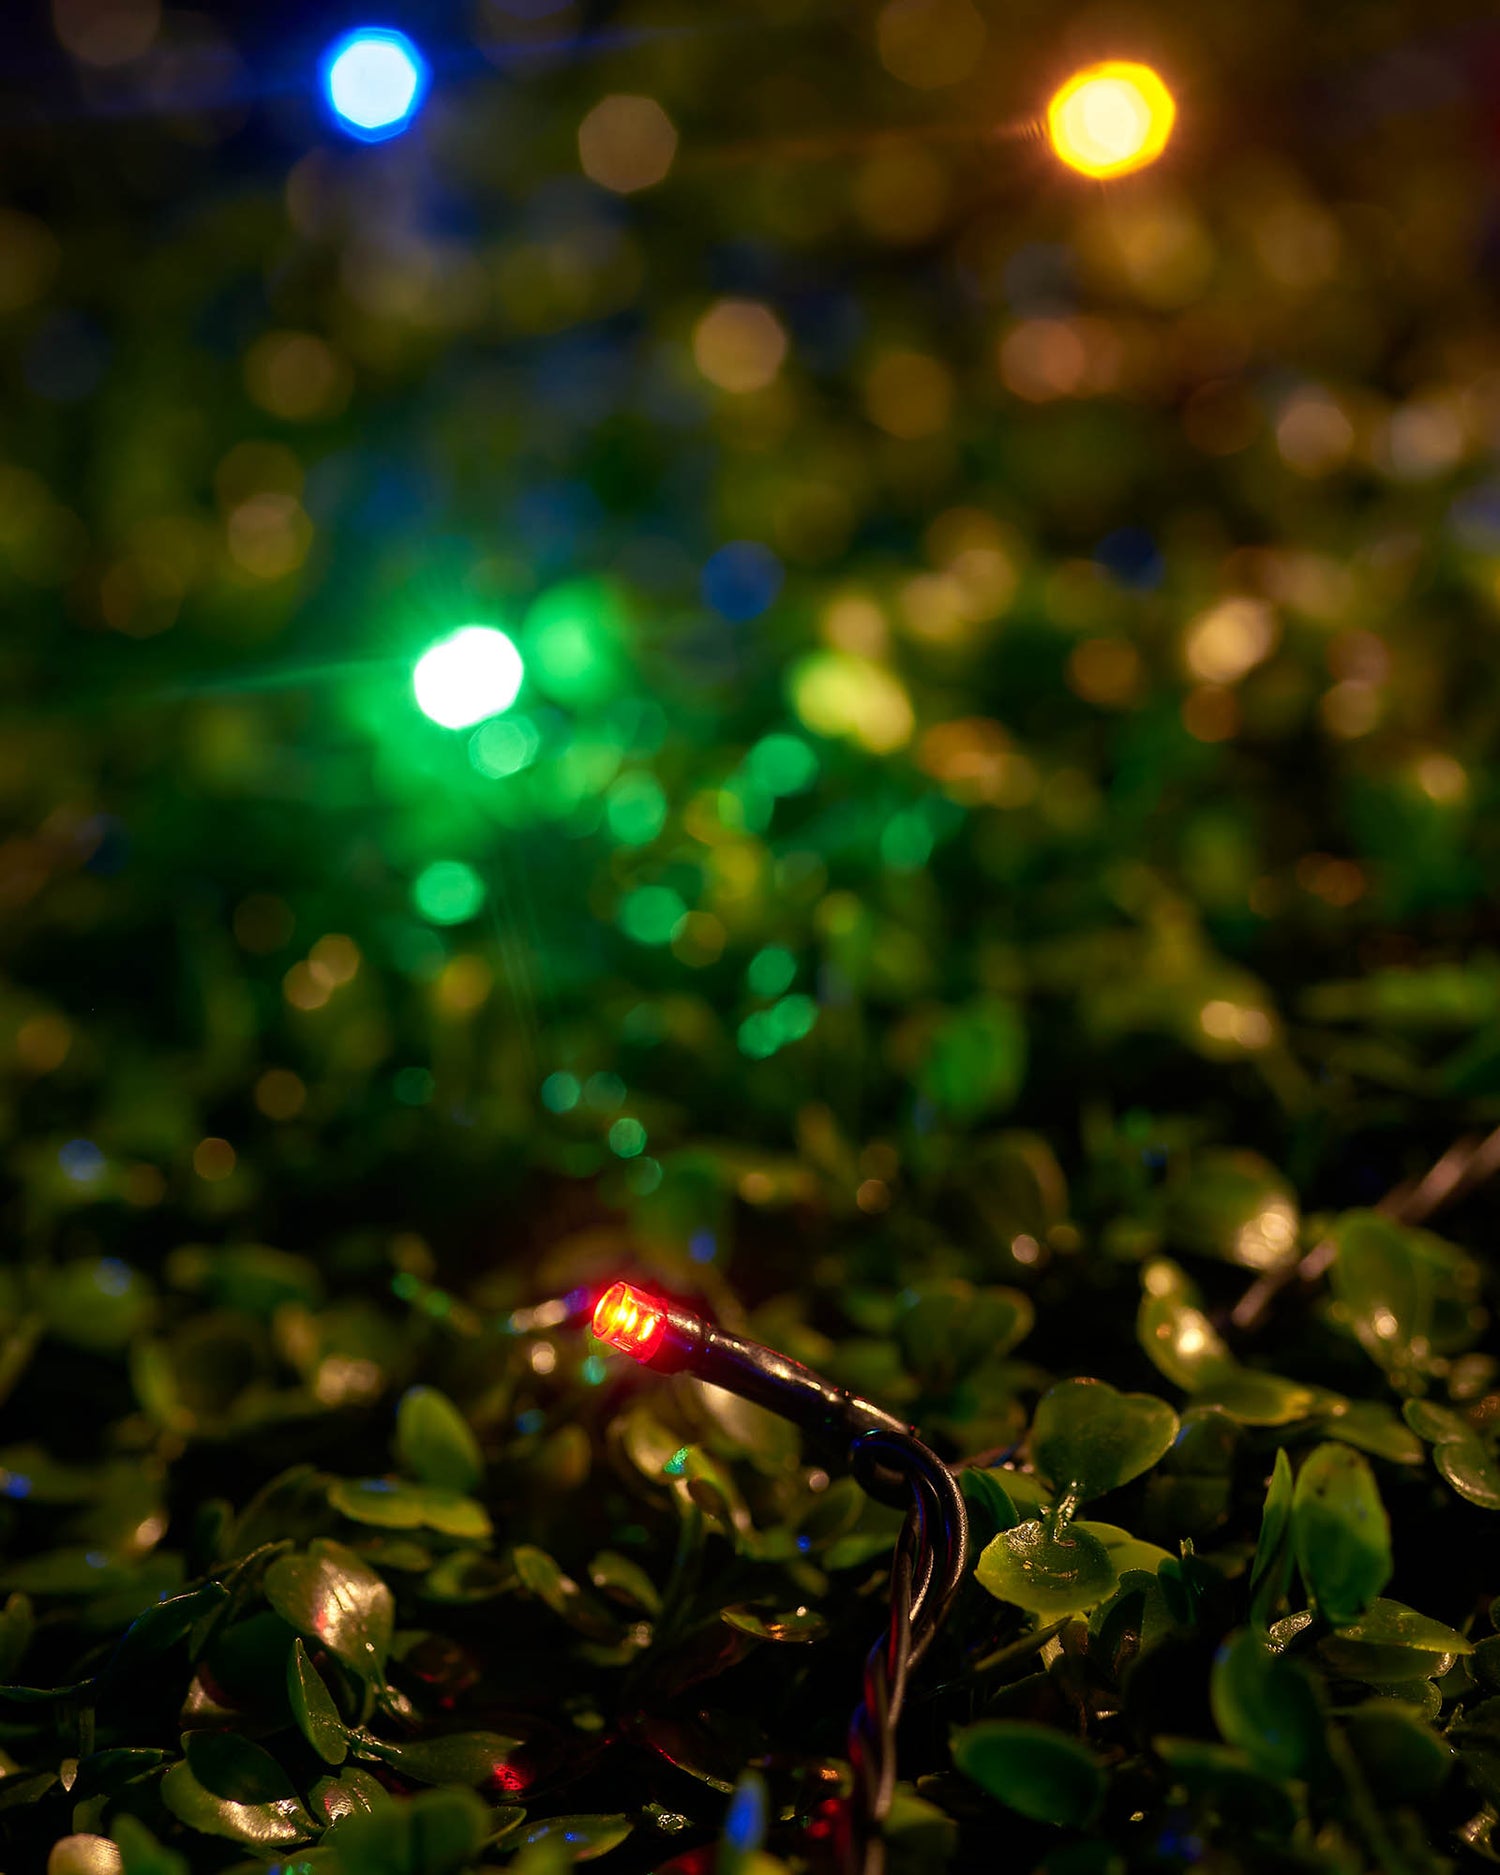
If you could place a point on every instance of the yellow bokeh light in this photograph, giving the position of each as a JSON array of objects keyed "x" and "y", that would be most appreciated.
[
  {"x": 626, "y": 143},
  {"x": 1111, "y": 119},
  {"x": 739, "y": 345}
]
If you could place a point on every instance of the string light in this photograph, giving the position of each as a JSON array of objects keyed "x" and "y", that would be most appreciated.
[
  {"x": 629, "y": 1321},
  {"x": 1110, "y": 119},
  {"x": 375, "y": 80},
  {"x": 887, "y": 1460},
  {"x": 471, "y": 674}
]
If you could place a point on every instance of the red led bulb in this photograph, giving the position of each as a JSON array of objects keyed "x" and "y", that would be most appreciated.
[{"x": 630, "y": 1321}]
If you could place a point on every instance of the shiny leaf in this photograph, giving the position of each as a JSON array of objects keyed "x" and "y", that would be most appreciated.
[
  {"x": 1340, "y": 1532},
  {"x": 792, "y": 1624},
  {"x": 583, "y": 1837},
  {"x": 1086, "y": 1438},
  {"x": 1047, "y": 1575},
  {"x": 391, "y": 1504},
  {"x": 84, "y": 1855},
  {"x": 469, "y": 1759},
  {"x": 313, "y": 1707},
  {"x": 228, "y": 1786},
  {"x": 1271, "y": 1569},
  {"x": 1235, "y": 1205},
  {"x": 330, "y": 1595}
]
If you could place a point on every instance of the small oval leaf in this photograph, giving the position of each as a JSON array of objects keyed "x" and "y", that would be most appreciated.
[
  {"x": 331, "y": 1595},
  {"x": 313, "y": 1707},
  {"x": 1033, "y": 1769},
  {"x": 434, "y": 1442},
  {"x": 1087, "y": 1438},
  {"x": 1045, "y": 1574},
  {"x": 1340, "y": 1532}
]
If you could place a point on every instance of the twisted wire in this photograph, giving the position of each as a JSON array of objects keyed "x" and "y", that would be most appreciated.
[{"x": 926, "y": 1573}]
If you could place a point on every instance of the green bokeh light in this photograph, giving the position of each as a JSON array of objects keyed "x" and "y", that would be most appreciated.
[
  {"x": 782, "y": 764},
  {"x": 650, "y": 914},
  {"x": 636, "y": 809},
  {"x": 771, "y": 970},
  {"x": 505, "y": 747},
  {"x": 448, "y": 892},
  {"x": 794, "y": 1017},
  {"x": 574, "y": 642},
  {"x": 561, "y": 1092},
  {"x": 762, "y": 1033},
  {"x": 604, "y": 1092},
  {"x": 627, "y": 1137},
  {"x": 757, "y": 1035},
  {"x": 473, "y": 673}
]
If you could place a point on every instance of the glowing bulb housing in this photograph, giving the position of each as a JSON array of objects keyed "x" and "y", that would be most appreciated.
[
  {"x": 374, "y": 80},
  {"x": 630, "y": 1321},
  {"x": 467, "y": 677},
  {"x": 1110, "y": 119}
]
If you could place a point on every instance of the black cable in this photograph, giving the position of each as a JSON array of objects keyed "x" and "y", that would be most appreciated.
[{"x": 889, "y": 1461}]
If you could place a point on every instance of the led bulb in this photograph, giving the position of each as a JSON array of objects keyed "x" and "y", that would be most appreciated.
[
  {"x": 630, "y": 1321},
  {"x": 1111, "y": 119}
]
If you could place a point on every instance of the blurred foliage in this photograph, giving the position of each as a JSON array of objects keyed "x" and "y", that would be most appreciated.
[{"x": 989, "y": 884}]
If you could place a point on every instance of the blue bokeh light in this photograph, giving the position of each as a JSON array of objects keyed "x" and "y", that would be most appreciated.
[
  {"x": 375, "y": 80},
  {"x": 741, "y": 581}
]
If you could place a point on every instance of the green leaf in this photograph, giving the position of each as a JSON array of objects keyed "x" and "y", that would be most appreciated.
[
  {"x": 1179, "y": 1339},
  {"x": 947, "y": 1329},
  {"x": 1087, "y": 1438},
  {"x": 1459, "y": 1451},
  {"x": 975, "y": 1060},
  {"x": 1235, "y": 1205},
  {"x": 437, "y": 1832},
  {"x": 161, "y": 1627},
  {"x": 465, "y": 1759},
  {"x": 228, "y": 1786},
  {"x": 96, "y": 1303},
  {"x": 1373, "y": 1427},
  {"x": 1047, "y": 1575},
  {"x": 543, "y": 1577},
  {"x": 1406, "y": 1293},
  {"x": 984, "y": 1489},
  {"x": 141, "y": 1852},
  {"x": 583, "y": 1837},
  {"x": 1271, "y": 1571},
  {"x": 1267, "y": 1707},
  {"x": 1032, "y": 1769},
  {"x": 313, "y": 1707},
  {"x": 624, "y": 1581},
  {"x": 1124, "y": 1550},
  {"x": 1253, "y": 1398},
  {"x": 84, "y": 1855},
  {"x": 390, "y": 1504},
  {"x": 791, "y": 1624},
  {"x": 1390, "y": 1643},
  {"x": 352, "y": 1792},
  {"x": 1340, "y": 1532},
  {"x": 329, "y": 1594},
  {"x": 434, "y": 1443},
  {"x": 1403, "y": 1759}
]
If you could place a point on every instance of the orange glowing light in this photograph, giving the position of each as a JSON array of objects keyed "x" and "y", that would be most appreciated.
[
  {"x": 629, "y": 1321},
  {"x": 1111, "y": 118}
]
